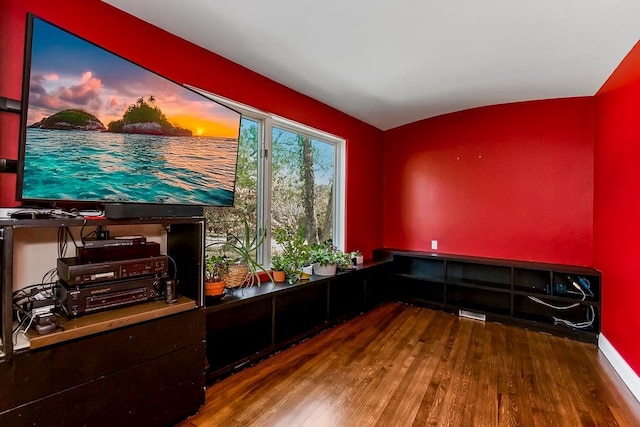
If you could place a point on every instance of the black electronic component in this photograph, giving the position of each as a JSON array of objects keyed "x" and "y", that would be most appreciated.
[
  {"x": 76, "y": 301},
  {"x": 116, "y": 253},
  {"x": 75, "y": 273},
  {"x": 116, "y": 241},
  {"x": 132, "y": 210},
  {"x": 8, "y": 166},
  {"x": 46, "y": 323}
]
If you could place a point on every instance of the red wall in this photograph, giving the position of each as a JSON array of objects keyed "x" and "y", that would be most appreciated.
[
  {"x": 617, "y": 206},
  {"x": 506, "y": 181},
  {"x": 184, "y": 62}
]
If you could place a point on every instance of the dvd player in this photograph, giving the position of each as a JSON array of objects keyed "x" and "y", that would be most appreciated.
[
  {"x": 115, "y": 242},
  {"x": 75, "y": 273}
]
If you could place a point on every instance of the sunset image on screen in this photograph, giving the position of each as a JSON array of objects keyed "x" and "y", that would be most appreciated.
[
  {"x": 102, "y": 128},
  {"x": 68, "y": 73}
]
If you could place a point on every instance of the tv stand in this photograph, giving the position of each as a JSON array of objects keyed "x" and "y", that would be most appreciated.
[
  {"x": 134, "y": 210},
  {"x": 142, "y": 364}
]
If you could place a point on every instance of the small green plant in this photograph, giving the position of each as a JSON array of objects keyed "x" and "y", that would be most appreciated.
[
  {"x": 326, "y": 254},
  {"x": 295, "y": 252},
  {"x": 292, "y": 272},
  {"x": 294, "y": 246},
  {"x": 216, "y": 266},
  {"x": 278, "y": 262}
]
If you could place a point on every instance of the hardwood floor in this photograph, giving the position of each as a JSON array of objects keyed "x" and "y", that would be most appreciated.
[{"x": 400, "y": 365}]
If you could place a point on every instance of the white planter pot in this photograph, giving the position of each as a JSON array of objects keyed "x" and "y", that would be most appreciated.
[
  {"x": 360, "y": 259},
  {"x": 325, "y": 270}
]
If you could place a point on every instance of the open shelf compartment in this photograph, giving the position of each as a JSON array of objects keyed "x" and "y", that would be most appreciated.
[
  {"x": 466, "y": 273},
  {"x": 425, "y": 268},
  {"x": 532, "y": 281}
]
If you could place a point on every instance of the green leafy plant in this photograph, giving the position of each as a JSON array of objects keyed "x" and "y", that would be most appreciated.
[
  {"x": 294, "y": 246},
  {"x": 345, "y": 262},
  {"x": 278, "y": 262},
  {"x": 216, "y": 266},
  {"x": 326, "y": 254},
  {"x": 292, "y": 272},
  {"x": 295, "y": 252}
]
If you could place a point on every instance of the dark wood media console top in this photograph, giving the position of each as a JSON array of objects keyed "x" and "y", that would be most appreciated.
[{"x": 109, "y": 320}]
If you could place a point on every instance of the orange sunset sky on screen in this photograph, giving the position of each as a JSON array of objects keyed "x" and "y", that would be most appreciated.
[{"x": 201, "y": 127}]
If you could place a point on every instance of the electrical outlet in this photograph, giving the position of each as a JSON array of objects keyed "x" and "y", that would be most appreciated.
[{"x": 434, "y": 245}]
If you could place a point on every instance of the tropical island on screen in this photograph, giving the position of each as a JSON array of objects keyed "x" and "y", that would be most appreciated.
[{"x": 143, "y": 117}]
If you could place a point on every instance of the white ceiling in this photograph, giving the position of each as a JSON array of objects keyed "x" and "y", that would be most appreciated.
[{"x": 392, "y": 62}]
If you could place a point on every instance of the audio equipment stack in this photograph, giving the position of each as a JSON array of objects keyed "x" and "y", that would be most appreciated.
[{"x": 108, "y": 274}]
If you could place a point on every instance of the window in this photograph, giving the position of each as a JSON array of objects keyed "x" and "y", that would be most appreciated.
[
  {"x": 302, "y": 179},
  {"x": 288, "y": 175}
]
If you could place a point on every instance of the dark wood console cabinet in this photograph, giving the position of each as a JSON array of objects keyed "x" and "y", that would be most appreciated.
[
  {"x": 138, "y": 365},
  {"x": 250, "y": 324},
  {"x": 149, "y": 374},
  {"x": 506, "y": 291}
]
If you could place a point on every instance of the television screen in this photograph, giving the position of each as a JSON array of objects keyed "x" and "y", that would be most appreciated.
[{"x": 99, "y": 128}]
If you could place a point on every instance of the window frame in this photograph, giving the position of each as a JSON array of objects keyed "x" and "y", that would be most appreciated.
[{"x": 266, "y": 123}]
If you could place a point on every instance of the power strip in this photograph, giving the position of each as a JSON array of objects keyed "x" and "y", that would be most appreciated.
[{"x": 6, "y": 212}]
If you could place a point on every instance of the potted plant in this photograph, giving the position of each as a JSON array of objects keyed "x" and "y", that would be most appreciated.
[
  {"x": 292, "y": 273},
  {"x": 216, "y": 267},
  {"x": 326, "y": 258},
  {"x": 244, "y": 269},
  {"x": 359, "y": 259},
  {"x": 278, "y": 264},
  {"x": 295, "y": 251},
  {"x": 307, "y": 271}
]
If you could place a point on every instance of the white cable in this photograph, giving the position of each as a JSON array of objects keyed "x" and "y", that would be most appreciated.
[
  {"x": 24, "y": 333},
  {"x": 557, "y": 307},
  {"x": 578, "y": 325}
]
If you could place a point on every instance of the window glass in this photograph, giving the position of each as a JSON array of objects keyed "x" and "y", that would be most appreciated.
[{"x": 302, "y": 185}]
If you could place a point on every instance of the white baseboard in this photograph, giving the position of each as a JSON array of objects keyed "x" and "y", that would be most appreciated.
[{"x": 628, "y": 375}]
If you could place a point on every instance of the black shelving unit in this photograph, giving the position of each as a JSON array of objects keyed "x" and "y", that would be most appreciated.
[{"x": 535, "y": 295}]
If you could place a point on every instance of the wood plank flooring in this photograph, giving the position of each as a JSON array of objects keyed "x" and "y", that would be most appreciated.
[{"x": 401, "y": 365}]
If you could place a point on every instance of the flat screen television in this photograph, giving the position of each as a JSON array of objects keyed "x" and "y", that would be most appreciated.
[{"x": 97, "y": 129}]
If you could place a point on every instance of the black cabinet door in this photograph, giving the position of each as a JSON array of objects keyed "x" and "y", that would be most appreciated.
[
  {"x": 238, "y": 332},
  {"x": 300, "y": 311},
  {"x": 346, "y": 296},
  {"x": 110, "y": 374}
]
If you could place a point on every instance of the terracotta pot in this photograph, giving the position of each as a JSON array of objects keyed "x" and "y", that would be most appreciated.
[
  {"x": 278, "y": 276},
  {"x": 213, "y": 289}
]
